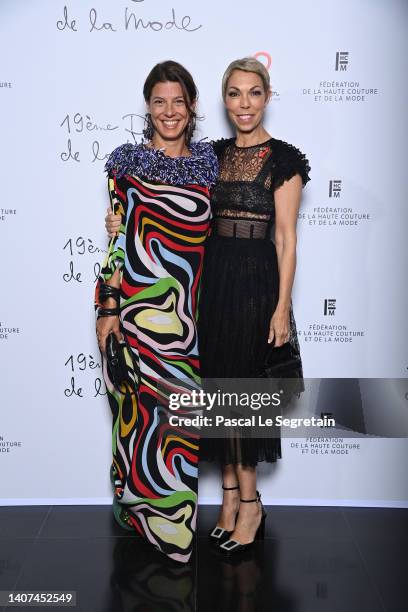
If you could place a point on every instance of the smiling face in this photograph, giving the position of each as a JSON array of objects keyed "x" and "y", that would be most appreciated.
[
  {"x": 245, "y": 100},
  {"x": 169, "y": 111}
]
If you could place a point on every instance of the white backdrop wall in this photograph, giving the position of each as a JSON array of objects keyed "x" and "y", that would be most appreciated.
[{"x": 71, "y": 77}]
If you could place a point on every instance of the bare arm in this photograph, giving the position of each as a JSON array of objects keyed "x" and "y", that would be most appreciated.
[
  {"x": 287, "y": 203},
  {"x": 111, "y": 272}
]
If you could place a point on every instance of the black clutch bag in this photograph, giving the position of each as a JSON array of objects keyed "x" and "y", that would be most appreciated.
[
  {"x": 282, "y": 362},
  {"x": 122, "y": 367},
  {"x": 283, "y": 367}
]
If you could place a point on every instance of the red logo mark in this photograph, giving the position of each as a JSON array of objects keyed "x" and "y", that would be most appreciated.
[{"x": 265, "y": 58}]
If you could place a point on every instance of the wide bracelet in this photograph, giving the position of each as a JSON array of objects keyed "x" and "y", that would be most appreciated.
[
  {"x": 107, "y": 291},
  {"x": 108, "y": 312}
]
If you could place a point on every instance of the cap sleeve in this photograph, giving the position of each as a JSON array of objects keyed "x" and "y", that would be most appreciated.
[
  {"x": 291, "y": 161},
  {"x": 220, "y": 145}
]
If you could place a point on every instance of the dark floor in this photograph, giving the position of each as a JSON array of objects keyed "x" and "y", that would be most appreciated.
[{"x": 313, "y": 559}]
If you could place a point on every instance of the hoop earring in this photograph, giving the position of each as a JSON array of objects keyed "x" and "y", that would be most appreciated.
[
  {"x": 148, "y": 130},
  {"x": 191, "y": 126}
]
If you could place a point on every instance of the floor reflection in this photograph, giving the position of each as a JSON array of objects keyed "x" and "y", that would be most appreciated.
[
  {"x": 238, "y": 584},
  {"x": 242, "y": 584},
  {"x": 312, "y": 558},
  {"x": 145, "y": 580}
]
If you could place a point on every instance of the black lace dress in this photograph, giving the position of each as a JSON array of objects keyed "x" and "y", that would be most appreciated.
[{"x": 240, "y": 280}]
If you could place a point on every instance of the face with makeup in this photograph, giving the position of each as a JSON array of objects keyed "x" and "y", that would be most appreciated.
[
  {"x": 168, "y": 109},
  {"x": 246, "y": 100}
]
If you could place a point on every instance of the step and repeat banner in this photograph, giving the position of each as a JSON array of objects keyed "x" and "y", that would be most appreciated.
[{"x": 71, "y": 77}]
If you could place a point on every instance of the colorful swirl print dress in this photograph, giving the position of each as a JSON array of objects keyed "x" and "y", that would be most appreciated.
[{"x": 165, "y": 207}]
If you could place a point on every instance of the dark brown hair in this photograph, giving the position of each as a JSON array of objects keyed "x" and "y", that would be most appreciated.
[{"x": 176, "y": 73}]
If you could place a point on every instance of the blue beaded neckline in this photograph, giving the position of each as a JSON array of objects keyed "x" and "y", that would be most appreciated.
[{"x": 200, "y": 168}]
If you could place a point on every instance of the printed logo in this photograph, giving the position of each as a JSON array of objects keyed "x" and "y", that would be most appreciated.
[
  {"x": 337, "y": 333},
  {"x": 8, "y": 446},
  {"x": 334, "y": 91},
  {"x": 342, "y": 60},
  {"x": 266, "y": 59},
  {"x": 334, "y": 188},
  {"x": 325, "y": 446},
  {"x": 7, "y": 213},
  {"x": 329, "y": 215},
  {"x": 6, "y": 331},
  {"x": 329, "y": 307}
]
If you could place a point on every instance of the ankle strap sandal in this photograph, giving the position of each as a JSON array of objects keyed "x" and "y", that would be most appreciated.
[
  {"x": 232, "y": 547},
  {"x": 257, "y": 498},
  {"x": 218, "y": 535}
]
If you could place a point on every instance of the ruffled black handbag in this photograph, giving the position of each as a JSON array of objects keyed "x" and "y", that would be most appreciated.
[
  {"x": 282, "y": 362},
  {"x": 283, "y": 365}
]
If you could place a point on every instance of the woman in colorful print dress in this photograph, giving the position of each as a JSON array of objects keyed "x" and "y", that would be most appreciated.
[
  {"x": 245, "y": 300},
  {"x": 154, "y": 265}
]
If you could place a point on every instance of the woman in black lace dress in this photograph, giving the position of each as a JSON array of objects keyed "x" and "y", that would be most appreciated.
[
  {"x": 247, "y": 281},
  {"x": 246, "y": 285}
]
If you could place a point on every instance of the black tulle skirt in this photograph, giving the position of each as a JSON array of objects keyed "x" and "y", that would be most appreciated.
[{"x": 239, "y": 293}]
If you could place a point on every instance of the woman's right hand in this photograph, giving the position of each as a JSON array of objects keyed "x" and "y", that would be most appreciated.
[
  {"x": 104, "y": 326},
  {"x": 112, "y": 223}
]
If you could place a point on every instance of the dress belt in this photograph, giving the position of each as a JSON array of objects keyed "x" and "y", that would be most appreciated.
[{"x": 240, "y": 228}]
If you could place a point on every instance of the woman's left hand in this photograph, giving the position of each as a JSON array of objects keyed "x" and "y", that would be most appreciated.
[{"x": 279, "y": 326}]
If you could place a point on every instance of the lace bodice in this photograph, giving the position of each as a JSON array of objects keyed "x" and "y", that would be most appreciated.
[{"x": 248, "y": 177}]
